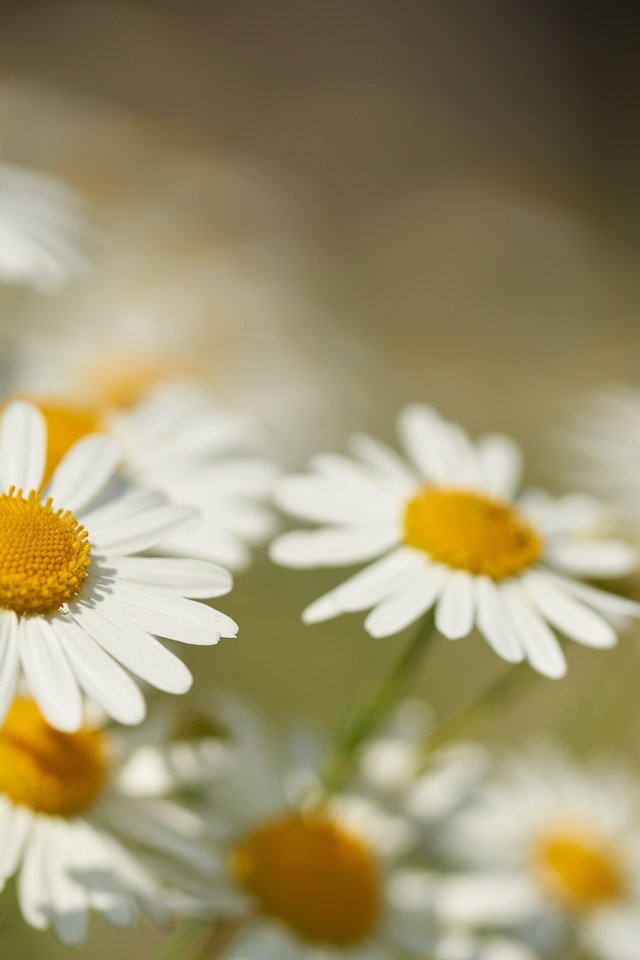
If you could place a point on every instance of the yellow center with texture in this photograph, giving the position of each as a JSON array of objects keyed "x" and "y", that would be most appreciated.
[
  {"x": 44, "y": 554},
  {"x": 472, "y": 532},
  {"x": 50, "y": 772},
  {"x": 579, "y": 869},
  {"x": 312, "y": 875}
]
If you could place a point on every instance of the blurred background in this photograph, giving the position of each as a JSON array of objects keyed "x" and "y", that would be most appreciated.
[{"x": 337, "y": 207}]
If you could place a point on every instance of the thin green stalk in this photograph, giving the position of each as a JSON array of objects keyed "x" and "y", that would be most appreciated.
[
  {"x": 366, "y": 717},
  {"x": 200, "y": 940},
  {"x": 496, "y": 693}
]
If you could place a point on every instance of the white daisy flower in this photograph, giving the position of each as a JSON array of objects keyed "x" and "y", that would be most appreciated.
[
  {"x": 556, "y": 847},
  {"x": 599, "y": 448},
  {"x": 180, "y": 442},
  {"x": 77, "y": 603},
  {"x": 81, "y": 830},
  {"x": 430, "y": 786},
  {"x": 448, "y": 530},
  {"x": 42, "y": 222},
  {"x": 303, "y": 880}
]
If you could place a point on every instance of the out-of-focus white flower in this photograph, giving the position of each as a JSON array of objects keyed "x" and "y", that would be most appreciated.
[
  {"x": 430, "y": 787},
  {"x": 179, "y": 441},
  {"x": 42, "y": 227},
  {"x": 452, "y": 533},
  {"x": 77, "y": 602},
  {"x": 84, "y": 827},
  {"x": 555, "y": 846},
  {"x": 308, "y": 878},
  {"x": 599, "y": 448}
]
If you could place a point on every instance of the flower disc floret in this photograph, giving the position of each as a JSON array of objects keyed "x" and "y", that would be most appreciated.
[
  {"x": 315, "y": 877},
  {"x": 579, "y": 869},
  {"x": 44, "y": 554},
  {"x": 48, "y": 771},
  {"x": 469, "y": 531}
]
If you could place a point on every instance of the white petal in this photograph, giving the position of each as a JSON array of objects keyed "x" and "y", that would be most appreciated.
[
  {"x": 455, "y": 610},
  {"x": 485, "y": 898},
  {"x": 15, "y": 824},
  {"x": 325, "y": 500},
  {"x": 368, "y": 587},
  {"x": 100, "y": 676},
  {"x": 593, "y": 558},
  {"x": 610, "y": 604},
  {"x": 332, "y": 546},
  {"x": 501, "y": 460},
  {"x": 136, "y": 650},
  {"x": 406, "y": 605},
  {"x": 48, "y": 674},
  {"x": 432, "y": 444},
  {"x": 23, "y": 446},
  {"x": 493, "y": 624},
  {"x": 68, "y": 899},
  {"x": 139, "y": 532},
  {"x": 83, "y": 472},
  {"x": 568, "y": 615},
  {"x": 187, "y": 578},
  {"x": 174, "y": 618},
  {"x": 9, "y": 660},
  {"x": 383, "y": 459},
  {"x": 541, "y": 646},
  {"x": 33, "y": 893}
]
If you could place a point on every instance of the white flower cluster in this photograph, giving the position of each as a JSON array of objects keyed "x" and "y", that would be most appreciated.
[{"x": 122, "y": 513}]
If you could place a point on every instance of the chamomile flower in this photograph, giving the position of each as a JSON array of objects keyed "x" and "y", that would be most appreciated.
[
  {"x": 41, "y": 225},
  {"x": 304, "y": 879},
  {"x": 448, "y": 530},
  {"x": 76, "y": 602},
  {"x": 179, "y": 441},
  {"x": 557, "y": 847},
  {"x": 601, "y": 443},
  {"x": 81, "y": 831}
]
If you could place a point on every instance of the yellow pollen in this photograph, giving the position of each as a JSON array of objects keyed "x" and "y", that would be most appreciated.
[
  {"x": 44, "y": 554},
  {"x": 579, "y": 869},
  {"x": 470, "y": 531},
  {"x": 316, "y": 878},
  {"x": 48, "y": 771}
]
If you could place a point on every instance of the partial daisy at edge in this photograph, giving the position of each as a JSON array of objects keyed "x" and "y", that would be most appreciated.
[
  {"x": 550, "y": 845},
  {"x": 43, "y": 230},
  {"x": 445, "y": 527},
  {"x": 81, "y": 608},
  {"x": 174, "y": 437},
  {"x": 92, "y": 821}
]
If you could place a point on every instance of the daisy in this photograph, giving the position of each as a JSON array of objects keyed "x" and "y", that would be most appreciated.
[
  {"x": 556, "y": 847},
  {"x": 303, "y": 880},
  {"x": 447, "y": 530},
  {"x": 41, "y": 224},
  {"x": 601, "y": 444},
  {"x": 179, "y": 441},
  {"x": 82, "y": 830},
  {"x": 76, "y": 602}
]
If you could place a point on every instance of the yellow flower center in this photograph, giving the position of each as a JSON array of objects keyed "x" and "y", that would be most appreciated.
[
  {"x": 469, "y": 531},
  {"x": 579, "y": 869},
  {"x": 48, "y": 771},
  {"x": 311, "y": 874},
  {"x": 44, "y": 554}
]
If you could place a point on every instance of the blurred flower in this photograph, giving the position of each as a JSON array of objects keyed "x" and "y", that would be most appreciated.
[
  {"x": 175, "y": 438},
  {"x": 42, "y": 223},
  {"x": 599, "y": 448},
  {"x": 83, "y": 831},
  {"x": 453, "y": 534},
  {"x": 75, "y": 601},
  {"x": 555, "y": 846},
  {"x": 430, "y": 786},
  {"x": 307, "y": 877}
]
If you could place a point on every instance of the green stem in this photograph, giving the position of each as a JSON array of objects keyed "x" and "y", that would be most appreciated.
[
  {"x": 497, "y": 692},
  {"x": 199, "y": 940},
  {"x": 366, "y": 717}
]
